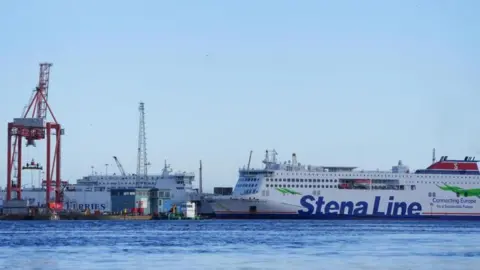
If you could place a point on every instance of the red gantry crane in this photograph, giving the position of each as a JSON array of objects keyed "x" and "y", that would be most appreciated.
[{"x": 33, "y": 126}]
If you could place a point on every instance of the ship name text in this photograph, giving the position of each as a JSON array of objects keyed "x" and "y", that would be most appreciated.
[{"x": 359, "y": 208}]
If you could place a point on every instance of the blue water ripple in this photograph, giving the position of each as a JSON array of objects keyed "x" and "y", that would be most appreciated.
[{"x": 256, "y": 244}]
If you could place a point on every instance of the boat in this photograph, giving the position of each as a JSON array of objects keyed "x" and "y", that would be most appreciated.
[
  {"x": 447, "y": 189},
  {"x": 93, "y": 192}
]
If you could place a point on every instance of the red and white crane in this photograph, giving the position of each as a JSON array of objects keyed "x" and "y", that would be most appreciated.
[{"x": 33, "y": 126}]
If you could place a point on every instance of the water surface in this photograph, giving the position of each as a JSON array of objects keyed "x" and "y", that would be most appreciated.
[{"x": 255, "y": 244}]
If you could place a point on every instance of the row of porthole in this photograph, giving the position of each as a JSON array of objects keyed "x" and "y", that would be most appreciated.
[
  {"x": 300, "y": 186},
  {"x": 249, "y": 179},
  {"x": 396, "y": 175},
  {"x": 126, "y": 178},
  {"x": 302, "y": 180},
  {"x": 247, "y": 185},
  {"x": 441, "y": 182},
  {"x": 334, "y": 181},
  {"x": 130, "y": 183}
]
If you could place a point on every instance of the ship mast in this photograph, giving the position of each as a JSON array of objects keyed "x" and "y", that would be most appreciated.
[
  {"x": 270, "y": 158},
  {"x": 249, "y": 160},
  {"x": 200, "y": 187}
]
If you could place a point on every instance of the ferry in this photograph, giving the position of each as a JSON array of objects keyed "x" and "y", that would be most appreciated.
[
  {"x": 447, "y": 189},
  {"x": 93, "y": 192}
]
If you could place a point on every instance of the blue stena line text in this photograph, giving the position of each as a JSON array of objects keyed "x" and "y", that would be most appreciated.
[{"x": 360, "y": 208}]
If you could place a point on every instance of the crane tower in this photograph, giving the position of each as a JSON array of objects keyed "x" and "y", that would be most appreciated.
[{"x": 33, "y": 126}]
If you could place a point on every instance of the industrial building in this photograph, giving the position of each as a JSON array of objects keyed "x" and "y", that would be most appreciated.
[
  {"x": 131, "y": 200},
  {"x": 147, "y": 201}
]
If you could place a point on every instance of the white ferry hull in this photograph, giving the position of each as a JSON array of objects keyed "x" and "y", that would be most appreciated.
[
  {"x": 363, "y": 205},
  {"x": 73, "y": 201},
  {"x": 447, "y": 189}
]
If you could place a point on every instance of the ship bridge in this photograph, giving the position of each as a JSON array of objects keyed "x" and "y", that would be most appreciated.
[{"x": 254, "y": 172}]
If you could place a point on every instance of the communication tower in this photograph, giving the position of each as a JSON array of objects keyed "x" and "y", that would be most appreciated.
[{"x": 142, "y": 162}]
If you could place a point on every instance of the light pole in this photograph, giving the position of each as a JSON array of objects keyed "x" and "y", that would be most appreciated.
[{"x": 106, "y": 169}]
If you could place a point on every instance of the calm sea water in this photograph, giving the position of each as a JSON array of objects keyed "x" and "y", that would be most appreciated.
[{"x": 255, "y": 244}]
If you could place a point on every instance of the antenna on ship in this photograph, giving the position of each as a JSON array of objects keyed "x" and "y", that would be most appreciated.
[
  {"x": 274, "y": 156},
  {"x": 142, "y": 162},
  {"x": 200, "y": 184},
  {"x": 433, "y": 156},
  {"x": 249, "y": 160}
]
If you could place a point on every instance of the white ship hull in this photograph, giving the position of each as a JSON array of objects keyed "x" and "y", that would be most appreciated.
[
  {"x": 448, "y": 189},
  {"x": 363, "y": 204},
  {"x": 73, "y": 201},
  {"x": 93, "y": 192}
]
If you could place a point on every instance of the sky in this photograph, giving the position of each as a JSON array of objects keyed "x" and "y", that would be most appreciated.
[{"x": 351, "y": 83}]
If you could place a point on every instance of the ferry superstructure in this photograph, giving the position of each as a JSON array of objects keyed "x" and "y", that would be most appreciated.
[
  {"x": 93, "y": 191},
  {"x": 447, "y": 189}
]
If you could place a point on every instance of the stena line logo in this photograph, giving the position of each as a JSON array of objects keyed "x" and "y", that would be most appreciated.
[{"x": 359, "y": 208}]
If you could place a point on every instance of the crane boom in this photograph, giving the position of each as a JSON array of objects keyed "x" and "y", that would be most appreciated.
[{"x": 119, "y": 165}]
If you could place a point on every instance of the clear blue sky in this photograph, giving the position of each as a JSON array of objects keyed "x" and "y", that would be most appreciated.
[{"x": 362, "y": 83}]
